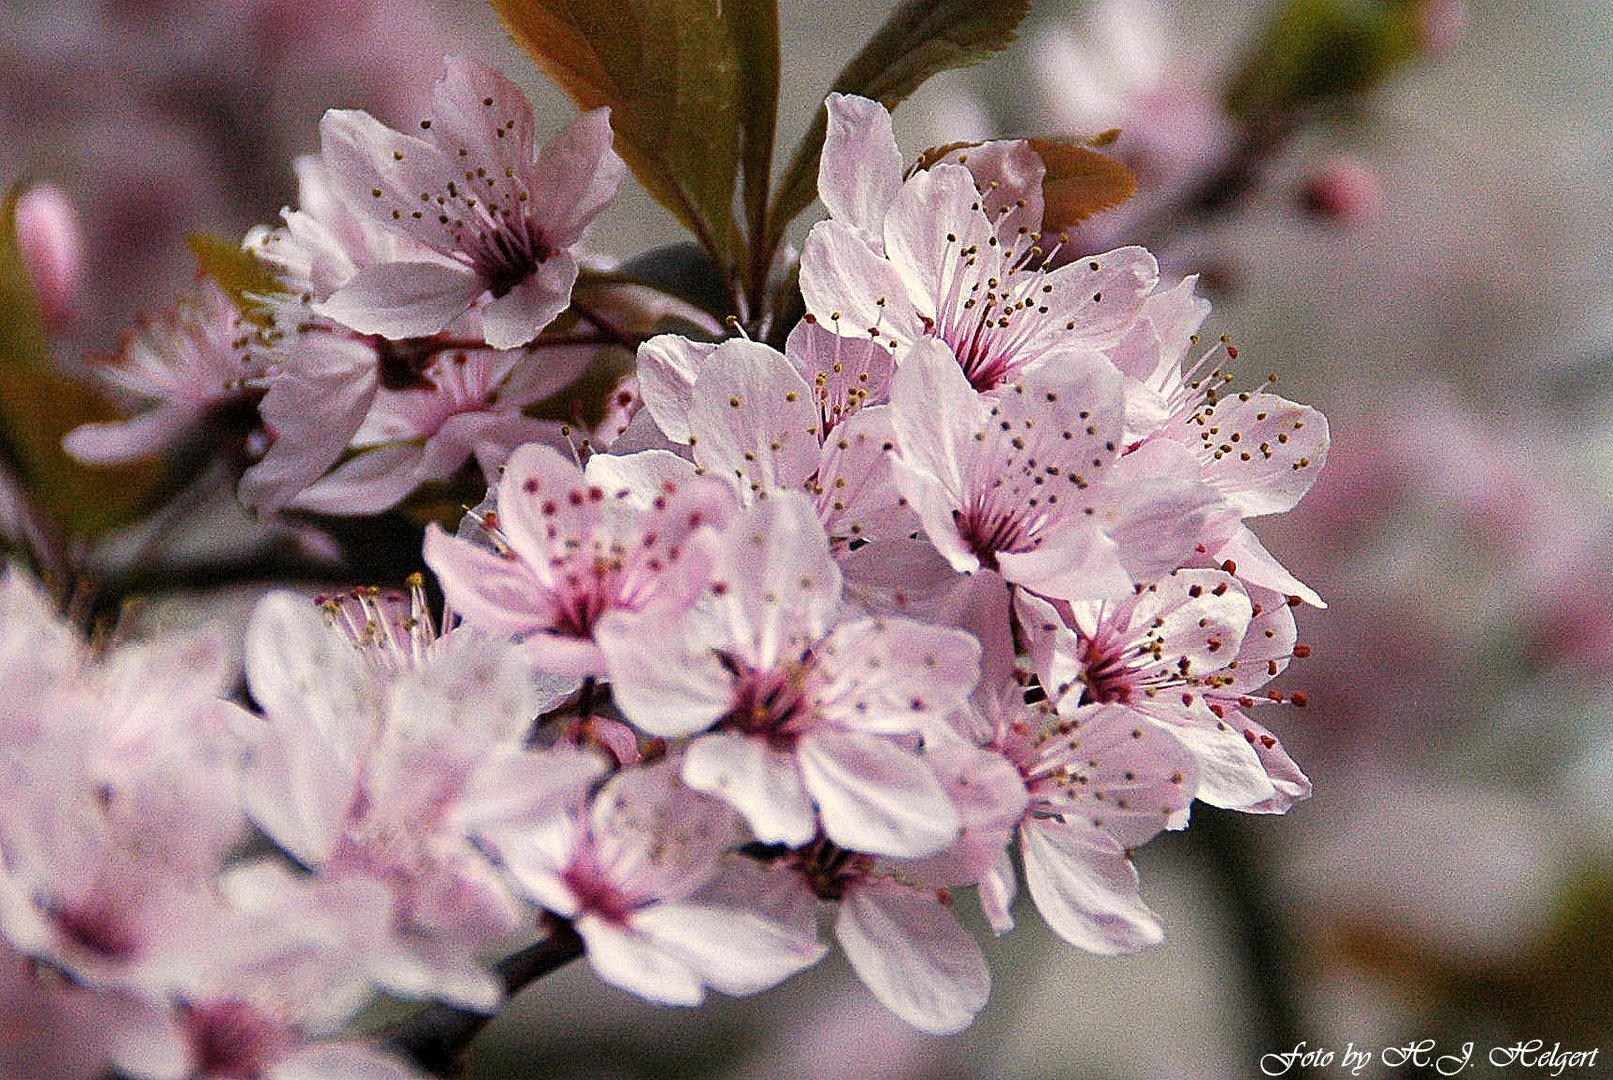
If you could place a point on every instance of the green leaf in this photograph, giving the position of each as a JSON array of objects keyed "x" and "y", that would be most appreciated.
[
  {"x": 39, "y": 404},
  {"x": 1079, "y": 183},
  {"x": 238, "y": 272},
  {"x": 1315, "y": 51},
  {"x": 920, "y": 39},
  {"x": 668, "y": 72},
  {"x": 753, "y": 27}
]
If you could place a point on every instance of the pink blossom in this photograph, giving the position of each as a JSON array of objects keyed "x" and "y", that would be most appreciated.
[
  {"x": 807, "y": 709},
  {"x": 469, "y": 406},
  {"x": 807, "y": 419},
  {"x": 193, "y": 366},
  {"x": 1258, "y": 451},
  {"x": 1187, "y": 652},
  {"x": 471, "y": 189},
  {"x": 1032, "y": 482},
  {"x": 953, "y": 266},
  {"x": 383, "y": 777},
  {"x": 902, "y": 939},
  {"x": 570, "y": 552},
  {"x": 627, "y": 870}
]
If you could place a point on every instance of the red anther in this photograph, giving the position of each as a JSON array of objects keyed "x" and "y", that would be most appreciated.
[
  {"x": 1275, "y": 695},
  {"x": 1232, "y": 352},
  {"x": 1230, "y": 567},
  {"x": 1300, "y": 699},
  {"x": 1302, "y": 651}
]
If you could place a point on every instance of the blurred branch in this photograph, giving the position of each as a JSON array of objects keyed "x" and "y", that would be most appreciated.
[
  {"x": 1257, "y": 929},
  {"x": 436, "y": 1038}
]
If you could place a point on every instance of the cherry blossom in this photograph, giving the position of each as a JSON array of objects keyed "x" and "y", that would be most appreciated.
[
  {"x": 627, "y": 869},
  {"x": 1031, "y": 482},
  {"x": 472, "y": 189},
  {"x": 811, "y": 418},
  {"x": 382, "y": 777},
  {"x": 1175, "y": 653},
  {"x": 1259, "y": 452},
  {"x": 806, "y": 710},
  {"x": 193, "y": 365},
  {"x": 945, "y": 269},
  {"x": 569, "y": 552}
]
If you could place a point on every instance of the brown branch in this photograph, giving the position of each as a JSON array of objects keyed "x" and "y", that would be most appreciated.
[{"x": 436, "y": 1038}]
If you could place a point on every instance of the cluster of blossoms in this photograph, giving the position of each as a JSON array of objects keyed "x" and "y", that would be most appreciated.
[{"x": 961, "y": 572}]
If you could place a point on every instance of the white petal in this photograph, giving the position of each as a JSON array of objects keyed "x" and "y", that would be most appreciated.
[
  {"x": 876, "y": 797},
  {"x": 908, "y": 948},
  {"x": 1087, "y": 889},
  {"x": 403, "y": 300},
  {"x": 732, "y": 950},
  {"x": 639, "y": 965},
  {"x": 762, "y": 783}
]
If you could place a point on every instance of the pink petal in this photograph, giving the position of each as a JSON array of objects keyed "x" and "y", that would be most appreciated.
[
  {"x": 779, "y": 586},
  {"x": 762, "y": 783},
  {"x": 858, "y": 496},
  {"x": 734, "y": 951},
  {"x": 312, "y": 411},
  {"x": 874, "y": 796},
  {"x": 895, "y": 676},
  {"x": 463, "y": 118},
  {"x": 638, "y": 964},
  {"x": 143, "y": 435},
  {"x": 574, "y": 178},
  {"x": 668, "y": 683},
  {"x": 403, "y": 299},
  {"x": 908, "y": 948},
  {"x": 370, "y": 482},
  {"x": 512, "y": 320},
  {"x": 498, "y": 594},
  {"x": 860, "y": 171},
  {"x": 1100, "y": 295},
  {"x": 1291, "y": 784},
  {"x": 1267, "y": 452},
  {"x": 667, "y": 366},
  {"x": 1257, "y": 566},
  {"x": 843, "y": 279},
  {"x": 931, "y": 224},
  {"x": 1087, "y": 889},
  {"x": 384, "y": 174},
  {"x": 754, "y": 419}
]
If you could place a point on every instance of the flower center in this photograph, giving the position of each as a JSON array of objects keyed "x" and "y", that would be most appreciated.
[{"x": 773, "y": 704}]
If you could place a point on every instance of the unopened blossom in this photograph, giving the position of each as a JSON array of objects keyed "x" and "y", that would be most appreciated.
[
  {"x": 571, "y": 550},
  {"x": 945, "y": 271},
  {"x": 627, "y": 869},
  {"x": 807, "y": 711},
  {"x": 1032, "y": 482},
  {"x": 51, "y": 243},
  {"x": 193, "y": 368},
  {"x": 809, "y": 419},
  {"x": 1189, "y": 652},
  {"x": 470, "y": 187}
]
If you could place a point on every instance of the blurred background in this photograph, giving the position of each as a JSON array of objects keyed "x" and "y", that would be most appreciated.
[{"x": 1403, "y": 211}]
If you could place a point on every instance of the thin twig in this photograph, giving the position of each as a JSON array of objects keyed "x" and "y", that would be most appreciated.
[{"x": 437, "y": 1038}]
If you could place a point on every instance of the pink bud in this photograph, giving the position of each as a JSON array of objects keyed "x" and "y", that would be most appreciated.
[
  {"x": 52, "y": 245},
  {"x": 1345, "y": 190}
]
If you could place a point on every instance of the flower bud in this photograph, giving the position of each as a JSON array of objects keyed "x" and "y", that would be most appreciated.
[{"x": 52, "y": 245}]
